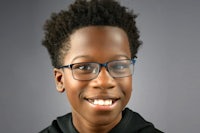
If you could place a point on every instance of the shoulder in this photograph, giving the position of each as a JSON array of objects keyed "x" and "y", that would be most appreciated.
[
  {"x": 143, "y": 125},
  {"x": 53, "y": 128},
  {"x": 133, "y": 122},
  {"x": 58, "y": 125}
]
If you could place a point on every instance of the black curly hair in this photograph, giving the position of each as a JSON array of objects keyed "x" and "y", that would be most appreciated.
[{"x": 83, "y": 13}]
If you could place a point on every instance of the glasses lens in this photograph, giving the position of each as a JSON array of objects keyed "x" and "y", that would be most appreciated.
[
  {"x": 85, "y": 71},
  {"x": 121, "y": 68}
]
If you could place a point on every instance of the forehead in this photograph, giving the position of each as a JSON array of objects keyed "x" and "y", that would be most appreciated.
[
  {"x": 98, "y": 41},
  {"x": 96, "y": 32}
]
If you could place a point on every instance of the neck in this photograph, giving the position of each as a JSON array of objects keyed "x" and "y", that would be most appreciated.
[{"x": 85, "y": 126}]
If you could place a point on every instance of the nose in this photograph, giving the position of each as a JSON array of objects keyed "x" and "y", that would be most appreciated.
[{"x": 104, "y": 80}]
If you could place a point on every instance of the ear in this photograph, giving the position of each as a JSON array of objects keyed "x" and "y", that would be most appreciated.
[{"x": 59, "y": 78}]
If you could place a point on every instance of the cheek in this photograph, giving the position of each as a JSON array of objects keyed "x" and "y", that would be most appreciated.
[
  {"x": 71, "y": 85},
  {"x": 126, "y": 85},
  {"x": 73, "y": 94},
  {"x": 73, "y": 89}
]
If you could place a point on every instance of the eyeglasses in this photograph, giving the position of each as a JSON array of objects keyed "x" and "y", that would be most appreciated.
[{"x": 90, "y": 70}]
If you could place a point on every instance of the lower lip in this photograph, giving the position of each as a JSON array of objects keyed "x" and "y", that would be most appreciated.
[{"x": 104, "y": 107}]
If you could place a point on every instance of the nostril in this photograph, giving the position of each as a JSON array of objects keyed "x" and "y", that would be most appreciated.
[{"x": 103, "y": 87}]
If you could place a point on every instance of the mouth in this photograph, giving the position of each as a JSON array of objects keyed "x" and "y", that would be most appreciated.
[{"x": 102, "y": 102}]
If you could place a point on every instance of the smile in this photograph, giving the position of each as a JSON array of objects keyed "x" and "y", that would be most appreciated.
[{"x": 102, "y": 102}]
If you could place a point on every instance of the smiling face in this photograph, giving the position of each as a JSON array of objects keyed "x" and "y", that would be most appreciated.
[{"x": 99, "y": 101}]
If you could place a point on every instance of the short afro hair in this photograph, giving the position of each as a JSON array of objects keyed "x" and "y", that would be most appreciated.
[{"x": 83, "y": 13}]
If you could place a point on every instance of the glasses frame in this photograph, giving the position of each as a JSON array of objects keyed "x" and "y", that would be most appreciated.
[{"x": 70, "y": 66}]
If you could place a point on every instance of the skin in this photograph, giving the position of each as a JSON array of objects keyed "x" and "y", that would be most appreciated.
[{"x": 96, "y": 44}]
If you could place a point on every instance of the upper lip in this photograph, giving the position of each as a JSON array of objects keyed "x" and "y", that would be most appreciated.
[{"x": 102, "y": 97}]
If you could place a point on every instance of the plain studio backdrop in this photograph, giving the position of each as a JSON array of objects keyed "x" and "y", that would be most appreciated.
[{"x": 166, "y": 79}]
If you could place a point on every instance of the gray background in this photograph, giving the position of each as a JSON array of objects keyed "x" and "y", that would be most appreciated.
[{"x": 166, "y": 80}]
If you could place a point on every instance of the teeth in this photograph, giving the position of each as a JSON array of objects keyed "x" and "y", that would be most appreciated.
[{"x": 102, "y": 102}]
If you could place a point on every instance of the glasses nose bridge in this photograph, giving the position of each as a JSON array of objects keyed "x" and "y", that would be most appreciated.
[
  {"x": 106, "y": 67},
  {"x": 103, "y": 65}
]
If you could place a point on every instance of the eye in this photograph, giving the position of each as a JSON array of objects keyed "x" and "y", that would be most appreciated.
[
  {"x": 84, "y": 68},
  {"x": 120, "y": 66}
]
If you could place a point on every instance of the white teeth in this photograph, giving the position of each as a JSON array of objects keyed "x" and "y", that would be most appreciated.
[{"x": 102, "y": 102}]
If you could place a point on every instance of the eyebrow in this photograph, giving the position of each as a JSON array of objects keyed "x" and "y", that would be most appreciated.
[
  {"x": 80, "y": 56},
  {"x": 116, "y": 56},
  {"x": 89, "y": 57}
]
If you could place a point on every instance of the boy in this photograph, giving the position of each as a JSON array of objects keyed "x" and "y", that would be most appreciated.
[{"x": 93, "y": 47}]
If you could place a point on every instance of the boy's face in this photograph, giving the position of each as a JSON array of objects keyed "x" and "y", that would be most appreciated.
[{"x": 96, "y": 44}]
